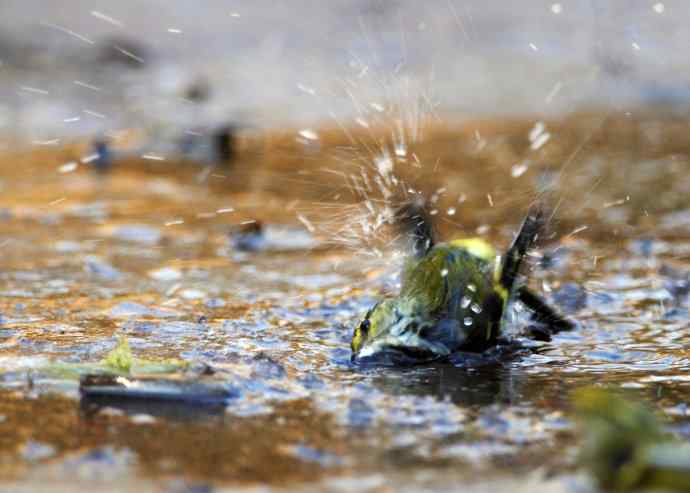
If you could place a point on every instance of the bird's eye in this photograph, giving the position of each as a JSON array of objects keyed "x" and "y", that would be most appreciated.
[{"x": 364, "y": 326}]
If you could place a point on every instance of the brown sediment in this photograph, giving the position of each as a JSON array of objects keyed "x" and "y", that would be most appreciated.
[{"x": 219, "y": 448}]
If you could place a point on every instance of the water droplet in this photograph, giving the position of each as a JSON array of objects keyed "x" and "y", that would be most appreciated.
[
  {"x": 540, "y": 141},
  {"x": 68, "y": 167},
  {"x": 476, "y": 308},
  {"x": 465, "y": 302},
  {"x": 384, "y": 164},
  {"x": 536, "y": 131},
  {"x": 308, "y": 134},
  {"x": 468, "y": 321},
  {"x": 362, "y": 122},
  {"x": 518, "y": 170},
  {"x": 306, "y": 89}
]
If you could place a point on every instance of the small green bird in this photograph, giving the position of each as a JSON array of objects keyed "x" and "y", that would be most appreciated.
[
  {"x": 625, "y": 446},
  {"x": 453, "y": 296}
]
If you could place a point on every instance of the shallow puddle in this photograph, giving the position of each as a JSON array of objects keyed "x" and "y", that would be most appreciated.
[{"x": 145, "y": 253}]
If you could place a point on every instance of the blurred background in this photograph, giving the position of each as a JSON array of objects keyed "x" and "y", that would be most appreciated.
[{"x": 76, "y": 67}]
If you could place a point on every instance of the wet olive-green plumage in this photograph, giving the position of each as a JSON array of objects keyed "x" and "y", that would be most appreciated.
[
  {"x": 448, "y": 300},
  {"x": 625, "y": 447},
  {"x": 453, "y": 297}
]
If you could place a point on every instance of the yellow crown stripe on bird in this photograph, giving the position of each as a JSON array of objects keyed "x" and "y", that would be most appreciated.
[
  {"x": 477, "y": 247},
  {"x": 453, "y": 296}
]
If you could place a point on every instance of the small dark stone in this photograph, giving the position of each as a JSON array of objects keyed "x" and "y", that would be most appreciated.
[
  {"x": 207, "y": 370},
  {"x": 103, "y": 161},
  {"x": 673, "y": 272},
  {"x": 248, "y": 237},
  {"x": 676, "y": 313},
  {"x": 267, "y": 367},
  {"x": 224, "y": 144},
  {"x": 199, "y": 91},
  {"x": 679, "y": 288}
]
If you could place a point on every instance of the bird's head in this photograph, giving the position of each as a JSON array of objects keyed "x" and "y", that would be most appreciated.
[{"x": 397, "y": 331}]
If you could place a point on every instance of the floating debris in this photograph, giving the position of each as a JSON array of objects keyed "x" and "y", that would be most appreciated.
[{"x": 119, "y": 388}]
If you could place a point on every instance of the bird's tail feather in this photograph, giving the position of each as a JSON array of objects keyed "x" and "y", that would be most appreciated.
[{"x": 525, "y": 239}]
